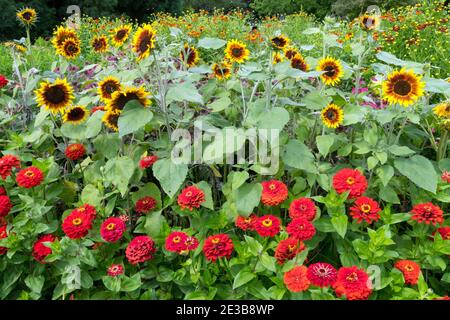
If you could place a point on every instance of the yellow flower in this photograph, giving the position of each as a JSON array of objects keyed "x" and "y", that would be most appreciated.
[
  {"x": 27, "y": 16},
  {"x": 61, "y": 34},
  {"x": 54, "y": 96},
  {"x": 403, "y": 87},
  {"x": 70, "y": 48},
  {"x": 280, "y": 42},
  {"x": 120, "y": 98},
  {"x": 110, "y": 119},
  {"x": 100, "y": 44},
  {"x": 277, "y": 58},
  {"x": 332, "y": 116},
  {"x": 442, "y": 110},
  {"x": 236, "y": 51},
  {"x": 222, "y": 70},
  {"x": 75, "y": 115},
  {"x": 189, "y": 55},
  {"x": 107, "y": 87},
  {"x": 369, "y": 22},
  {"x": 120, "y": 35},
  {"x": 333, "y": 71},
  {"x": 298, "y": 62},
  {"x": 290, "y": 52},
  {"x": 144, "y": 41}
]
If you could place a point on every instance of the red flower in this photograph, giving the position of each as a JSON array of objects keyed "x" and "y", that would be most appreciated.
[
  {"x": 296, "y": 279},
  {"x": 301, "y": 229},
  {"x": 288, "y": 249},
  {"x": 77, "y": 224},
  {"x": 97, "y": 108},
  {"x": 427, "y": 213},
  {"x": 365, "y": 209},
  {"x": 7, "y": 163},
  {"x": 445, "y": 232},
  {"x": 3, "y": 81},
  {"x": 29, "y": 177},
  {"x": 274, "y": 192},
  {"x": 3, "y": 235},
  {"x": 147, "y": 161},
  {"x": 322, "y": 274},
  {"x": 445, "y": 176},
  {"x": 350, "y": 180},
  {"x": 125, "y": 218},
  {"x": 2, "y": 191},
  {"x": 410, "y": 270},
  {"x": 75, "y": 151},
  {"x": 352, "y": 282},
  {"x": 88, "y": 210},
  {"x": 191, "y": 197},
  {"x": 115, "y": 270},
  {"x": 5, "y": 206},
  {"x": 145, "y": 204},
  {"x": 40, "y": 247},
  {"x": 246, "y": 223},
  {"x": 191, "y": 243},
  {"x": 140, "y": 249},
  {"x": 112, "y": 229},
  {"x": 176, "y": 241},
  {"x": 303, "y": 208},
  {"x": 216, "y": 246},
  {"x": 267, "y": 226}
]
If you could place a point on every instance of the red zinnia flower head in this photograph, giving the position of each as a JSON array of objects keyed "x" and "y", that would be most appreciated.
[
  {"x": 322, "y": 274},
  {"x": 75, "y": 151},
  {"x": 446, "y": 176},
  {"x": 191, "y": 197},
  {"x": 112, "y": 229},
  {"x": 145, "y": 204},
  {"x": 410, "y": 270},
  {"x": 350, "y": 180},
  {"x": 176, "y": 241},
  {"x": 352, "y": 282},
  {"x": 140, "y": 249},
  {"x": 244, "y": 223},
  {"x": 41, "y": 250},
  {"x": 115, "y": 270},
  {"x": 216, "y": 246},
  {"x": 2, "y": 191},
  {"x": 7, "y": 163},
  {"x": 301, "y": 229},
  {"x": 191, "y": 244},
  {"x": 267, "y": 226},
  {"x": 29, "y": 177},
  {"x": 3, "y": 235},
  {"x": 427, "y": 213},
  {"x": 5, "y": 206},
  {"x": 88, "y": 210},
  {"x": 365, "y": 209},
  {"x": 288, "y": 249},
  {"x": 97, "y": 108},
  {"x": 296, "y": 279},
  {"x": 3, "y": 81},
  {"x": 303, "y": 208},
  {"x": 274, "y": 192},
  {"x": 125, "y": 218},
  {"x": 147, "y": 161},
  {"x": 77, "y": 224},
  {"x": 445, "y": 232}
]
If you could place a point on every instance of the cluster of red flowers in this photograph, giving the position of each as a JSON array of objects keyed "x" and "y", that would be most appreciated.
[
  {"x": 216, "y": 246},
  {"x": 40, "y": 247},
  {"x": 427, "y": 213},
  {"x": 145, "y": 204},
  {"x": 267, "y": 226},
  {"x": 288, "y": 249},
  {"x": 353, "y": 283},
  {"x": 115, "y": 270},
  {"x": 410, "y": 270},
  {"x": 191, "y": 198},
  {"x": 350, "y": 180},
  {"x": 75, "y": 151},
  {"x": 29, "y": 177},
  {"x": 246, "y": 223},
  {"x": 444, "y": 232},
  {"x": 3, "y": 81},
  {"x": 147, "y": 161},
  {"x": 180, "y": 242},
  {"x": 274, "y": 192},
  {"x": 5, "y": 205},
  {"x": 140, "y": 249},
  {"x": 303, "y": 208},
  {"x": 365, "y": 209},
  {"x": 7, "y": 164},
  {"x": 78, "y": 223},
  {"x": 112, "y": 229}
]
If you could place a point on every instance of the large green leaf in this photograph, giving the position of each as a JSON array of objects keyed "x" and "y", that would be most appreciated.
[
  {"x": 247, "y": 197},
  {"x": 133, "y": 117},
  {"x": 184, "y": 92},
  {"x": 211, "y": 43},
  {"x": 170, "y": 175},
  {"x": 297, "y": 155},
  {"x": 242, "y": 278},
  {"x": 118, "y": 171},
  {"x": 419, "y": 170}
]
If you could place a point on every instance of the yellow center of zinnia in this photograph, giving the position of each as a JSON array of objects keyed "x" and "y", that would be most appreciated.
[
  {"x": 77, "y": 221},
  {"x": 272, "y": 187},
  {"x": 215, "y": 240},
  {"x": 267, "y": 223},
  {"x": 29, "y": 174},
  {"x": 188, "y": 194},
  {"x": 176, "y": 239},
  {"x": 352, "y": 277},
  {"x": 110, "y": 226},
  {"x": 350, "y": 180},
  {"x": 366, "y": 208}
]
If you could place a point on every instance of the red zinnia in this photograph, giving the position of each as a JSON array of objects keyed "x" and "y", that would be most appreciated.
[
  {"x": 41, "y": 250},
  {"x": 3, "y": 235},
  {"x": 5, "y": 206},
  {"x": 112, "y": 229},
  {"x": 191, "y": 197},
  {"x": 115, "y": 270},
  {"x": 216, "y": 246},
  {"x": 365, "y": 209},
  {"x": 322, "y": 274},
  {"x": 445, "y": 232},
  {"x": 296, "y": 279},
  {"x": 145, "y": 204},
  {"x": 75, "y": 151},
  {"x": 301, "y": 229},
  {"x": 88, "y": 210},
  {"x": 427, "y": 213},
  {"x": 2, "y": 191},
  {"x": 176, "y": 241},
  {"x": 77, "y": 224},
  {"x": 3, "y": 81},
  {"x": 303, "y": 208},
  {"x": 267, "y": 226},
  {"x": 191, "y": 244},
  {"x": 244, "y": 223},
  {"x": 446, "y": 176},
  {"x": 352, "y": 282},
  {"x": 410, "y": 270},
  {"x": 29, "y": 177},
  {"x": 7, "y": 163},
  {"x": 140, "y": 249},
  {"x": 350, "y": 180},
  {"x": 274, "y": 192},
  {"x": 288, "y": 249},
  {"x": 147, "y": 161}
]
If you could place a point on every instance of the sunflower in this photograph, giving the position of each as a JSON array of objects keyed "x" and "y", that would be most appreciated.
[
  {"x": 332, "y": 116},
  {"x": 70, "y": 48},
  {"x": 15, "y": 46},
  {"x": 27, "y": 16},
  {"x": 75, "y": 115},
  {"x": 298, "y": 62},
  {"x": 442, "y": 110},
  {"x": 369, "y": 22},
  {"x": 120, "y": 35},
  {"x": 110, "y": 119},
  {"x": 236, "y": 51},
  {"x": 333, "y": 70},
  {"x": 144, "y": 41},
  {"x": 222, "y": 70},
  {"x": 120, "y": 98},
  {"x": 107, "y": 87},
  {"x": 189, "y": 55},
  {"x": 100, "y": 44},
  {"x": 403, "y": 87},
  {"x": 61, "y": 34},
  {"x": 290, "y": 52},
  {"x": 54, "y": 96},
  {"x": 280, "y": 42},
  {"x": 277, "y": 58}
]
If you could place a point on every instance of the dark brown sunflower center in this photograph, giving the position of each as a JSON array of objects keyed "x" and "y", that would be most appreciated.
[
  {"x": 402, "y": 87},
  {"x": 113, "y": 119},
  {"x": 279, "y": 42},
  {"x": 55, "y": 95},
  {"x": 145, "y": 42},
  {"x": 27, "y": 16},
  {"x": 298, "y": 64},
  {"x": 331, "y": 115},
  {"x": 71, "y": 48},
  {"x": 330, "y": 71},
  {"x": 237, "y": 52},
  {"x": 76, "y": 114},
  {"x": 121, "y": 34},
  {"x": 110, "y": 87},
  {"x": 99, "y": 44},
  {"x": 122, "y": 100}
]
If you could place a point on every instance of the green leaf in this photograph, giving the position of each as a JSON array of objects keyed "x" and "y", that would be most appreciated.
[
  {"x": 211, "y": 43},
  {"x": 385, "y": 173},
  {"x": 400, "y": 150},
  {"x": 315, "y": 100},
  {"x": 388, "y": 194},
  {"x": 131, "y": 284},
  {"x": 297, "y": 155},
  {"x": 206, "y": 188},
  {"x": 275, "y": 118},
  {"x": 340, "y": 224},
  {"x": 107, "y": 145},
  {"x": 170, "y": 175},
  {"x": 219, "y": 104},
  {"x": 71, "y": 131},
  {"x": 133, "y": 117},
  {"x": 185, "y": 91},
  {"x": 112, "y": 283},
  {"x": 242, "y": 278},
  {"x": 324, "y": 144},
  {"x": 94, "y": 125},
  {"x": 91, "y": 195},
  {"x": 419, "y": 170},
  {"x": 119, "y": 171},
  {"x": 35, "y": 283},
  {"x": 268, "y": 262},
  {"x": 247, "y": 197}
]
